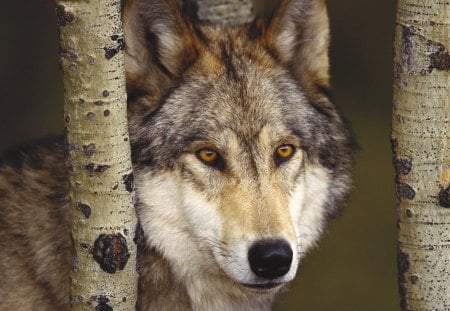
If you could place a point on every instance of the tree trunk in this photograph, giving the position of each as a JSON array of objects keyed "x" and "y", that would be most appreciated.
[
  {"x": 226, "y": 12},
  {"x": 103, "y": 273},
  {"x": 420, "y": 139}
]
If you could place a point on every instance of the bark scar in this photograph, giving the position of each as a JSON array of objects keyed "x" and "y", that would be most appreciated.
[
  {"x": 85, "y": 209},
  {"x": 402, "y": 267},
  {"x": 411, "y": 38},
  {"x": 95, "y": 169},
  {"x": 102, "y": 303},
  {"x": 128, "y": 180},
  {"x": 111, "y": 252},
  {"x": 404, "y": 191},
  {"x": 444, "y": 197},
  {"x": 440, "y": 60},
  {"x": 64, "y": 15},
  {"x": 115, "y": 47},
  {"x": 402, "y": 165}
]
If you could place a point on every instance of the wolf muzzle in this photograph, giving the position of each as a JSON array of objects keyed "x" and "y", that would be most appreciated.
[{"x": 270, "y": 259}]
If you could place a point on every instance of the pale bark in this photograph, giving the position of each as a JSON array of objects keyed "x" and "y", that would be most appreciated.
[
  {"x": 226, "y": 12},
  {"x": 421, "y": 143},
  {"x": 103, "y": 273}
]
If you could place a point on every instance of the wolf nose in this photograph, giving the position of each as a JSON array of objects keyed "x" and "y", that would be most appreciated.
[{"x": 270, "y": 258}]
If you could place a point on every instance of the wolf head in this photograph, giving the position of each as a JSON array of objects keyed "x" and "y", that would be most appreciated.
[{"x": 240, "y": 157}]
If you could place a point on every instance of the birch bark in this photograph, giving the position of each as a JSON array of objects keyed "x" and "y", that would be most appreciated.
[
  {"x": 421, "y": 144},
  {"x": 226, "y": 12},
  {"x": 103, "y": 273}
]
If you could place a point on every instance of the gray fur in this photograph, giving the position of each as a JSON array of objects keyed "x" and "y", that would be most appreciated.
[{"x": 231, "y": 80}]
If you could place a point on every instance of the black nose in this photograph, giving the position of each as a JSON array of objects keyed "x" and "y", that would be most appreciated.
[{"x": 270, "y": 258}]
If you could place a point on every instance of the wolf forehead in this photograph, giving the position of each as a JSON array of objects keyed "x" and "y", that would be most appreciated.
[
  {"x": 240, "y": 94},
  {"x": 235, "y": 82}
]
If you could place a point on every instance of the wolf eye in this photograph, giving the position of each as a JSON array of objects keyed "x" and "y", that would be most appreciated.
[
  {"x": 211, "y": 158},
  {"x": 207, "y": 155},
  {"x": 284, "y": 153}
]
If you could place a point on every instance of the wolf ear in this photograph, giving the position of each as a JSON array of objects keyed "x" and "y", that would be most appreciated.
[
  {"x": 298, "y": 35},
  {"x": 159, "y": 45}
]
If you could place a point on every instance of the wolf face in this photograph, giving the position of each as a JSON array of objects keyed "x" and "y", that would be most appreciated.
[
  {"x": 239, "y": 155},
  {"x": 239, "y": 159}
]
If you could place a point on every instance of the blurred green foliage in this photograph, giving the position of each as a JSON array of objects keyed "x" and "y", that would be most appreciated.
[{"x": 354, "y": 268}]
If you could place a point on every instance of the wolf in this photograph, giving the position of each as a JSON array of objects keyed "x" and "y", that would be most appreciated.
[{"x": 239, "y": 154}]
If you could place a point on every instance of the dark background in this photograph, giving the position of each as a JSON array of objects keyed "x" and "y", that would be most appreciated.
[{"x": 354, "y": 269}]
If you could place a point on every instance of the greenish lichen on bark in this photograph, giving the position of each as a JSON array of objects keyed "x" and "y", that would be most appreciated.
[
  {"x": 421, "y": 143},
  {"x": 104, "y": 273}
]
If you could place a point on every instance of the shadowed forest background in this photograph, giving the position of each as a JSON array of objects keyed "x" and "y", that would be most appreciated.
[{"x": 354, "y": 268}]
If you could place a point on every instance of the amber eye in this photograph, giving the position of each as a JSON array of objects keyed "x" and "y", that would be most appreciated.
[
  {"x": 210, "y": 157},
  {"x": 207, "y": 155},
  {"x": 284, "y": 153}
]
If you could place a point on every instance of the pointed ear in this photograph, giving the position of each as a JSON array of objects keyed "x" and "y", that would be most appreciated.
[
  {"x": 159, "y": 45},
  {"x": 298, "y": 35}
]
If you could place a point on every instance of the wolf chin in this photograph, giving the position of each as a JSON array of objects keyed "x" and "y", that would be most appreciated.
[{"x": 239, "y": 155}]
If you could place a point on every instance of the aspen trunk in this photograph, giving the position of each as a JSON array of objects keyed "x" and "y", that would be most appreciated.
[
  {"x": 421, "y": 143},
  {"x": 226, "y": 12},
  {"x": 103, "y": 273}
]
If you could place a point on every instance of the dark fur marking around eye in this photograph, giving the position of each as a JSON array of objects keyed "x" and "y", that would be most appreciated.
[
  {"x": 218, "y": 163},
  {"x": 279, "y": 160}
]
